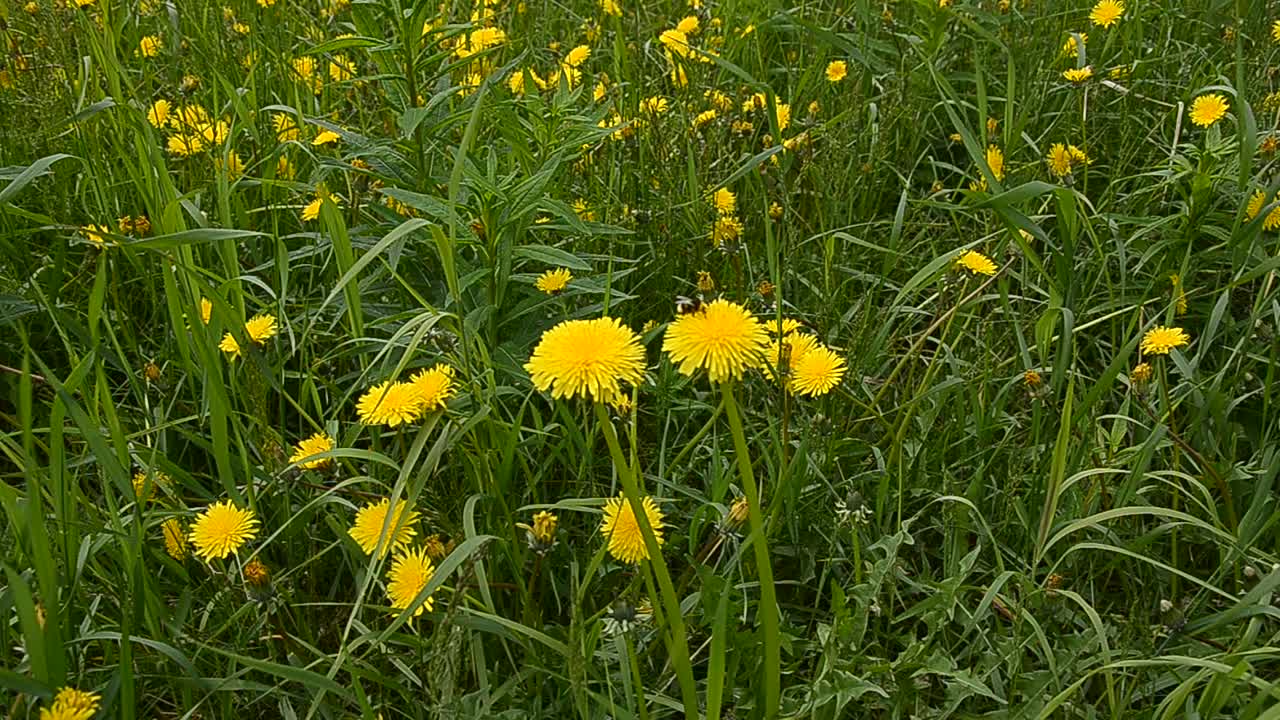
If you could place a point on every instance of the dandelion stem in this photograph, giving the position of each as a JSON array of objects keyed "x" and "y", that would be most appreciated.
[
  {"x": 767, "y": 611},
  {"x": 677, "y": 643}
]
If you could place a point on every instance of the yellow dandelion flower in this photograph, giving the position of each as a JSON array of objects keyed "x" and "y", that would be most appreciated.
[
  {"x": 145, "y": 484},
  {"x": 341, "y": 69},
  {"x": 553, "y": 281},
  {"x": 587, "y": 358},
  {"x": 995, "y": 161},
  {"x": 222, "y": 529},
  {"x": 260, "y": 329},
  {"x": 725, "y": 201},
  {"x": 158, "y": 114},
  {"x": 816, "y": 372},
  {"x": 1069, "y": 48},
  {"x": 656, "y": 105},
  {"x": 325, "y": 137},
  {"x": 689, "y": 25},
  {"x": 1078, "y": 75},
  {"x": 1141, "y": 373},
  {"x": 1275, "y": 31},
  {"x": 543, "y": 529},
  {"x": 577, "y": 56},
  {"x": 676, "y": 42},
  {"x": 372, "y": 525},
  {"x": 611, "y": 7},
  {"x": 704, "y": 118},
  {"x": 255, "y": 573},
  {"x": 1106, "y": 13},
  {"x": 837, "y": 70},
  {"x": 726, "y": 229},
  {"x": 150, "y": 46},
  {"x": 434, "y": 387},
  {"x": 206, "y": 310},
  {"x": 976, "y": 263},
  {"x": 724, "y": 338},
  {"x": 286, "y": 127},
  {"x": 410, "y": 572},
  {"x": 1059, "y": 160},
  {"x": 1256, "y": 202},
  {"x": 69, "y": 703},
  {"x": 184, "y": 145},
  {"x": 1272, "y": 221},
  {"x": 175, "y": 539},
  {"x": 314, "y": 445},
  {"x": 622, "y": 531},
  {"x": 1208, "y": 109},
  {"x": 391, "y": 404},
  {"x": 1160, "y": 340}
]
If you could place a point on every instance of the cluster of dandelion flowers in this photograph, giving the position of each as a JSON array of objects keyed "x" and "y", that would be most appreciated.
[
  {"x": 1209, "y": 109},
  {"x": 372, "y": 518},
  {"x": 312, "y": 446},
  {"x": 410, "y": 572},
  {"x": 587, "y": 358},
  {"x": 222, "y": 529},
  {"x": 71, "y": 704},
  {"x": 391, "y": 404},
  {"x": 434, "y": 387},
  {"x": 260, "y": 329},
  {"x": 555, "y": 281},
  {"x": 622, "y": 530},
  {"x": 723, "y": 337},
  {"x": 976, "y": 263},
  {"x": 1160, "y": 340}
]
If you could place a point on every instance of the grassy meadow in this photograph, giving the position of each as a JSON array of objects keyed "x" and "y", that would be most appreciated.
[{"x": 639, "y": 359}]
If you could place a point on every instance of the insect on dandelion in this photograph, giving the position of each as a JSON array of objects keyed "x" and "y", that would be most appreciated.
[
  {"x": 723, "y": 338},
  {"x": 587, "y": 358},
  {"x": 622, "y": 531},
  {"x": 371, "y": 523},
  {"x": 222, "y": 529}
]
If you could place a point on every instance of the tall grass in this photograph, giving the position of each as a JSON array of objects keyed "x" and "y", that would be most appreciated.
[{"x": 993, "y": 515}]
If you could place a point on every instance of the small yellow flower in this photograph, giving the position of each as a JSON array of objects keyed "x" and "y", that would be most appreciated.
[
  {"x": 285, "y": 126},
  {"x": 553, "y": 282},
  {"x": 255, "y": 573},
  {"x": 611, "y": 7},
  {"x": 837, "y": 70},
  {"x": 69, "y": 703},
  {"x": 1208, "y": 109},
  {"x": 206, "y": 310},
  {"x": 622, "y": 531},
  {"x": 391, "y": 404},
  {"x": 145, "y": 484},
  {"x": 1059, "y": 160},
  {"x": 1275, "y": 31},
  {"x": 976, "y": 263},
  {"x": 725, "y": 201},
  {"x": 150, "y": 46},
  {"x": 96, "y": 234},
  {"x": 372, "y": 526},
  {"x": 158, "y": 114},
  {"x": 325, "y": 137},
  {"x": 726, "y": 229},
  {"x": 434, "y": 387},
  {"x": 260, "y": 329},
  {"x": 816, "y": 372},
  {"x": 1032, "y": 379},
  {"x": 656, "y": 105},
  {"x": 1141, "y": 373},
  {"x": 577, "y": 56},
  {"x": 995, "y": 161},
  {"x": 1160, "y": 340},
  {"x": 689, "y": 25},
  {"x": 1078, "y": 75},
  {"x": 705, "y": 283},
  {"x": 1107, "y": 13},
  {"x": 175, "y": 539},
  {"x": 738, "y": 512},
  {"x": 222, "y": 529},
  {"x": 314, "y": 445},
  {"x": 410, "y": 572}
]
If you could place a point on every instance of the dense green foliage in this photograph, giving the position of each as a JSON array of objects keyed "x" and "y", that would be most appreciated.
[{"x": 1007, "y": 508}]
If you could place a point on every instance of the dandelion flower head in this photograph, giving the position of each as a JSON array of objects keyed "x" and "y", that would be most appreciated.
[
  {"x": 410, "y": 572},
  {"x": 837, "y": 70},
  {"x": 314, "y": 445},
  {"x": 391, "y": 404},
  {"x": 371, "y": 519},
  {"x": 434, "y": 386},
  {"x": 1106, "y": 13},
  {"x": 976, "y": 263},
  {"x": 622, "y": 530},
  {"x": 175, "y": 538},
  {"x": 222, "y": 529},
  {"x": 587, "y": 358},
  {"x": 1209, "y": 109},
  {"x": 723, "y": 337},
  {"x": 553, "y": 281},
  {"x": 1160, "y": 340}
]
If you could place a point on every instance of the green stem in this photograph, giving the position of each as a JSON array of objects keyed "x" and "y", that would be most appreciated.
[
  {"x": 767, "y": 612},
  {"x": 677, "y": 643}
]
